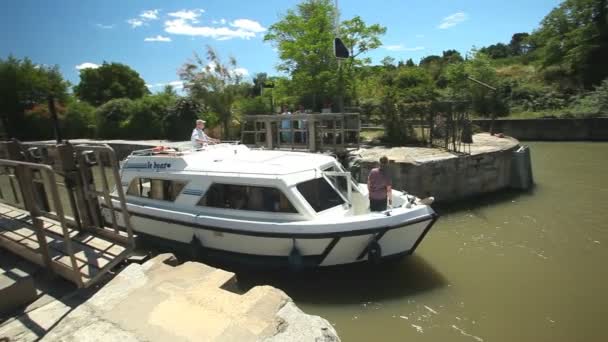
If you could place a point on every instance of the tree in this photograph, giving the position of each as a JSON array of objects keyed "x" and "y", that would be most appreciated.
[
  {"x": 409, "y": 63},
  {"x": 258, "y": 83},
  {"x": 145, "y": 118},
  {"x": 484, "y": 101},
  {"x": 109, "y": 81},
  {"x": 214, "y": 84},
  {"x": 181, "y": 118},
  {"x": 574, "y": 36},
  {"x": 304, "y": 38},
  {"x": 496, "y": 51},
  {"x": 111, "y": 118},
  {"x": 426, "y": 61},
  {"x": 388, "y": 62},
  {"x": 359, "y": 37},
  {"x": 451, "y": 56},
  {"x": 78, "y": 120},
  {"x": 519, "y": 44},
  {"x": 23, "y": 84}
]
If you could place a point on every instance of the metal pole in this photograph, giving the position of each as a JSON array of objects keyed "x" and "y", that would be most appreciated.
[{"x": 54, "y": 118}]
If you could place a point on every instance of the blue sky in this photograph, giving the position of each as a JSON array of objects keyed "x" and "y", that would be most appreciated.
[{"x": 156, "y": 37}]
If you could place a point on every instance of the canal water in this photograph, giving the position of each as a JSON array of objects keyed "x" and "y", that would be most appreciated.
[{"x": 509, "y": 267}]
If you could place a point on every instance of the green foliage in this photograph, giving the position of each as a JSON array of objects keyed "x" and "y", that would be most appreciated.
[
  {"x": 24, "y": 85},
  {"x": 145, "y": 119},
  {"x": 215, "y": 84},
  {"x": 111, "y": 118},
  {"x": 253, "y": 105},
  {"x": 484, "y": 101},
  {"x": 304, "y": 38},
  {"x": 78, "y": 120},
  {"x": 574, "y": 36},
  {"x": 109, "y": 81},
  {"x": 496, "y": 51},
  {"x": 182, "y": 116}
]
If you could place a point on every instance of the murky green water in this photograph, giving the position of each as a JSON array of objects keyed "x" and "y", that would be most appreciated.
[
  {"x": 513, "y": 267},
  {"x": 508, "y": 267}
]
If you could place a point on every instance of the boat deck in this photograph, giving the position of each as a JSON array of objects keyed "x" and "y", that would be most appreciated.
[{"x": 93, "y": 254}]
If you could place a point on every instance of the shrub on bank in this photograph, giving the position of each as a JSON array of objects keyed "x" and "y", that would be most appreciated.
[{"x": 111, "y": 119}]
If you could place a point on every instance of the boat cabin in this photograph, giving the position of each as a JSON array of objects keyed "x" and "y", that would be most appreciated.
[{"x": 233, "y": 181}]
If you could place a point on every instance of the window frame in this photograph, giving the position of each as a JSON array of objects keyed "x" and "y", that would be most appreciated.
[
  {"x": 244, "y": 209},
  {"x": 137, "y": 182}
]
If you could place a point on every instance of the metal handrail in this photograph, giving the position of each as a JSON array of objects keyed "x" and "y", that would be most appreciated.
[
  {"x": 35, "y": 211},
  {"x": 98, "y": 149}
]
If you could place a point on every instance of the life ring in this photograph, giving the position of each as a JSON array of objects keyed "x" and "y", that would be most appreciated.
[
  {"x": 374, "y": 252},
  {"x": 158, "y": 149}
]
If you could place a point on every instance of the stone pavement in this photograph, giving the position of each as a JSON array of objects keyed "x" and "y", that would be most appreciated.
[
  {"x": 482, "y": 143},
  {"x": 161, "y": 301}
]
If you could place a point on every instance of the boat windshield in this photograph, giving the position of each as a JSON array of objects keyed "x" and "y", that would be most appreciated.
[
  {"x": 339, "y": 181},
  {"x": 320, "y": 194}
]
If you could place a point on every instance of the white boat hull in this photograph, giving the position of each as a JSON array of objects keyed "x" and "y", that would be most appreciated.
[{"x": 317, "y": 249}]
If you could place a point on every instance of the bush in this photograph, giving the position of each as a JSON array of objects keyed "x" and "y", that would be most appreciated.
[
  {"x": 38, "y": 123},
  {"x": 111, "y": 118},
  {"x": 145, "y": 119},
  {"x": 181, "y": 118},
  {"x": 253, "y": 106},
  {"x": 79, "y": 120}
]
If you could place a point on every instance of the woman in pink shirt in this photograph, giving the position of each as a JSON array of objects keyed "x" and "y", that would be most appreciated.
[{"x": 379, "y": 186}]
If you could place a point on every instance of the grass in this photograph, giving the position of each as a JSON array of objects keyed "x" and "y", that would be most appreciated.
[{"x": 368, "y": 134}]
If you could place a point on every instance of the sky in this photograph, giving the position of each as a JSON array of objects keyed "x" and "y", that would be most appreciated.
[{"x": 157, "y": 37}]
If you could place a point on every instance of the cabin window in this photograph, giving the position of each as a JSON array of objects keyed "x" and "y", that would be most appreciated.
[
  {"x": 244, "y": 197},
  {"x": 319, "y": 194},
  {"x": 158, "y": 189}
]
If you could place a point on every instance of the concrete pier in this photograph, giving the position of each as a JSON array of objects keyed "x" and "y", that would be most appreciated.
[
  {"x": 442, "y": 174},
  {"x": 163, "y": 301}
]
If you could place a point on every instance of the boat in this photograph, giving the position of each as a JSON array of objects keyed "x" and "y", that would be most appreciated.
[{"x": 265, "y": 207}]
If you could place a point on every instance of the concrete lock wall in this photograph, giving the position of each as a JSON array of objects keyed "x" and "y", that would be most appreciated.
[
  {"x": 595, "y": 129},
  {"x": 452, "y": 178}
]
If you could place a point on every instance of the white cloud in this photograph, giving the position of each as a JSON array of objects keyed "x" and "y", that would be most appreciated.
[
  {"x": 135, "y": 22},
  {"x": 143, "y": 18},
  {"x": 87, "y": 65},
  {"x": 105, "y": 27},
  {"x": 401, "y": 47},
  {"x": 149, "y": 14},
  {"x": 452, "y": 20},
  {"x": 158, "y": 38},
  {"x": 191, "y": 15},
  {"x": 184, "y": 21},
  {"x": 249, "y": 25},
  {"x": 175, "y": 84},
  {"x": 241, "y": 72}
]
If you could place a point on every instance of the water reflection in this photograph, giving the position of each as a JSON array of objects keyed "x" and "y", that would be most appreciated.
[{"x": 351, "y": 284}]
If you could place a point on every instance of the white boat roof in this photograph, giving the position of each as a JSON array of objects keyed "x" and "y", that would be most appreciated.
[{"x": 227, "y": 158}]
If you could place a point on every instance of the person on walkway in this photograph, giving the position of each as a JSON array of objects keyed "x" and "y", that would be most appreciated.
[
  {"x": 199, "y": 138},
  {"x": 380, "y": 186}
]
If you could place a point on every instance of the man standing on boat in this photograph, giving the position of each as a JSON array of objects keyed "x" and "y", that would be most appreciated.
[
  {"x": 199, "y": 138},
  {"x": 380, "y": 186}
]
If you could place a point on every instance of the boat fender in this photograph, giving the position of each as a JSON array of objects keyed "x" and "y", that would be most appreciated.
[
  {"x": 295, "y": 259},
  {"x": 428, "y": 200},
  {"x": 196, "y": 247},
  {"x": 374, "y": 252}
]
